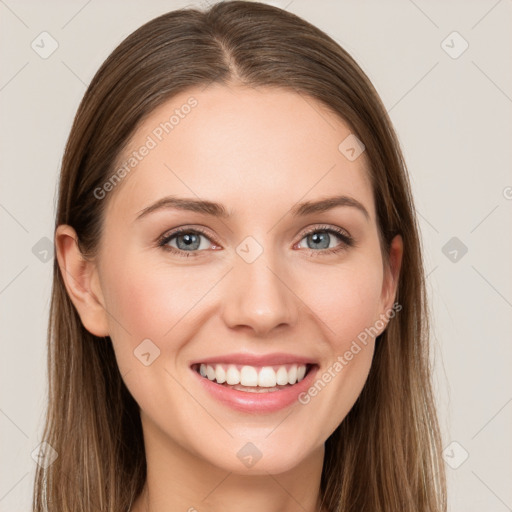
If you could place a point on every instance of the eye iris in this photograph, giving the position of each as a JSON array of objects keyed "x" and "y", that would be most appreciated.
[
  {"x": 191, "y": 241},
  {"x": 319, "y": 238}
]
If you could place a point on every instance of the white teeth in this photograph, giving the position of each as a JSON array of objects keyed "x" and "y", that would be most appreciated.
[
  {"x": 292, "y": 375},
  {"x": 281, "y": 376},
  {"x": 210, "y": 372},
  {"x": 232, "y": 375},
  {"x": 252, "y": 376},
  {"x": 267, "y": 377},
  {"x": 249, "y": 376},
  {"x": 220, "y": 374}
]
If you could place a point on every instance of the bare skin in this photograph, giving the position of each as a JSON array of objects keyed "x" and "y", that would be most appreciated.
[{"x": 259, "y": 153}]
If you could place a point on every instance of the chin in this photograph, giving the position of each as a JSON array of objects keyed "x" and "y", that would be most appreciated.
[{"x": 250, "y": 458}]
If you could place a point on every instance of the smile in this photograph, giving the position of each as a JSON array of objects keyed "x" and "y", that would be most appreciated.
[{"x": 254, "y": 389}]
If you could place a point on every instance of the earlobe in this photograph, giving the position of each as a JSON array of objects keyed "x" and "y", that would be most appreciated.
[{"x": 81, "y": 279}]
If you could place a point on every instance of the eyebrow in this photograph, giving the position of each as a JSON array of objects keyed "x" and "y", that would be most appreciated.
[{"x": 218, "y": 210}]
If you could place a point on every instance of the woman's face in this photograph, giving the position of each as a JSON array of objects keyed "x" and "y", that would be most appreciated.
[{"x": 269, "y": 283}]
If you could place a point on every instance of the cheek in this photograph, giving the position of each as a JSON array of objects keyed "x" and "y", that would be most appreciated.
[
  {"x": 137, "y": 310},
  {"x": 149, "y": 298},
  {"x": 346, "y": 299},
  {"x": 149, "y": 301},
  {"x": 347, "y": 304},
  {"x": 153, "y": 300}
]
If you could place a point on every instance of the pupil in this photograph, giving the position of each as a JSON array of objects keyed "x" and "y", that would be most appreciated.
[
  {"x": 319, "y": 238},
  {"x": 189, "y": 240}
]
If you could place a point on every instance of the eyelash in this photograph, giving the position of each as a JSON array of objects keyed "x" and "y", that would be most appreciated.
[{"x": 346, "y": 240}]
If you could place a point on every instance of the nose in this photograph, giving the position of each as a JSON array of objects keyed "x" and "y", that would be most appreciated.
[{"x": 259, "y": 298}]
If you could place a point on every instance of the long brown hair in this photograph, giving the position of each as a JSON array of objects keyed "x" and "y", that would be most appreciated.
[{"x": 385, "y": 455}]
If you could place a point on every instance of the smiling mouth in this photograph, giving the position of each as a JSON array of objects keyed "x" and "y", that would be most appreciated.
[{"x": 253, "y": 379}]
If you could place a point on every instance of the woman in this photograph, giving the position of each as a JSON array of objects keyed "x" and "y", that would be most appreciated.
[{"x": 238, "y": 316}]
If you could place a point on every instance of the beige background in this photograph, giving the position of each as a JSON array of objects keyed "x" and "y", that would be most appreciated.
[{"x": 454, "y": 120}]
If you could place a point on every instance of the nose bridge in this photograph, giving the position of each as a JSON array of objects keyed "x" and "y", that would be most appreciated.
[{"x": 258, "y": 296}]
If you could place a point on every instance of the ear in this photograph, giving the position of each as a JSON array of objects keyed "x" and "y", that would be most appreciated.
[
  {"x": 81, "y": 279},
  {"x": 392, "y": 274}
]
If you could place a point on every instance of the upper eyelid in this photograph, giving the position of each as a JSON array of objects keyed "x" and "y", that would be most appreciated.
[{"x": 176, "y": 231}]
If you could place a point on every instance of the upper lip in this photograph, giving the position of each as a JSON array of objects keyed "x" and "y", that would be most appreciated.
[{"x": 256, "y": 359}]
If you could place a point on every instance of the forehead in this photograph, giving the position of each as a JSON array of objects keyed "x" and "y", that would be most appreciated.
[{"x": 239, "y": 146}]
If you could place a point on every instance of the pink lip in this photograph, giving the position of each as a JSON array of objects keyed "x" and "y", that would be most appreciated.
[
  {"x": 257, "y": 402},
  {"x": 256, "y": 360}
]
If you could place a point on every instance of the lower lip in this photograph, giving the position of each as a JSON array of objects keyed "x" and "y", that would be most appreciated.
[{"x": 258, "y": 402}]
